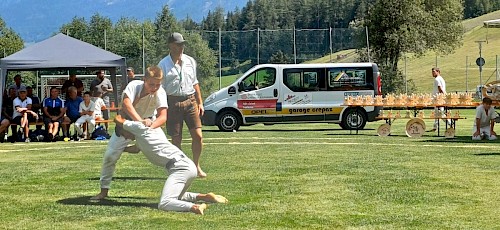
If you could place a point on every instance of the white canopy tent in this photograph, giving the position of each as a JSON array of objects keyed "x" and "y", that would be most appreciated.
[
  {"x": 63, "y": 52},
  {"x": 491, "y": 23}
]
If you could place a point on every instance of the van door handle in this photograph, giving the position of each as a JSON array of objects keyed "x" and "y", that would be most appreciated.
[{"x": 275, "y": 92}]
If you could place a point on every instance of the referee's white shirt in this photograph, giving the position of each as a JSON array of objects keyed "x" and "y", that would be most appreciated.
[{"x": 172, "y": 74}]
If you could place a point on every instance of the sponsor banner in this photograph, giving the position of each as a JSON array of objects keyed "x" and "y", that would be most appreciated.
[
  {"x": 258, "y": 112},
  {"x": 354, "y": 93},
  {"x": 297, "y": 99},
  {"x": 331, "y": 110},
  {"x": 257, "y": 104}
]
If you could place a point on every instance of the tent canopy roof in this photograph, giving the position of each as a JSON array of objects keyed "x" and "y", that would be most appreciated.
[
  {"x": 61, "y": 51},
  {"x": 492, "y": 23}
]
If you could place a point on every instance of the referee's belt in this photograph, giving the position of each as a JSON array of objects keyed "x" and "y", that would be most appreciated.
[{"x": 180, "y": 98}]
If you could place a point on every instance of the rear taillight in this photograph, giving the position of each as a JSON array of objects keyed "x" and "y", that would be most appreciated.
[{"x": 379, "y": 84}]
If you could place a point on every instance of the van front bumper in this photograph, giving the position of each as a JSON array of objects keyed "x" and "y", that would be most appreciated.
[{"x": 208, "y": 118}]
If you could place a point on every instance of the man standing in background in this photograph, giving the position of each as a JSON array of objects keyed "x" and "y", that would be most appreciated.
[
  {"x": 184, "y": 97},
  {"x": 102, "y": 85},
  {"x": 439, "y": 87}
]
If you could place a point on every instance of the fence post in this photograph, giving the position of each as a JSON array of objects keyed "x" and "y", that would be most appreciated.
[
  {"x": 331, "y": 48},
  {"x": 496, "y": 65},
  {"x": 406, "y": 76},
  {"x": 220, "y": 59},
  {"x": 105, "y": 41},
  {"x": 258, "y": 46},
  {"x": 294, "y": 47},
  {"x": 467, "y": 74}
]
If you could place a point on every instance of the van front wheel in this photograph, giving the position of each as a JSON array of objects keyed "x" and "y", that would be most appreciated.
[
  {"x": 353, "y": 119},
  {"x": 228, "y": 121}
]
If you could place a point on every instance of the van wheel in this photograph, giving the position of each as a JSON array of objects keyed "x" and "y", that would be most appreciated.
[
  {"x": 353, "y": 119},
  {"x": 228, "y": 121}
]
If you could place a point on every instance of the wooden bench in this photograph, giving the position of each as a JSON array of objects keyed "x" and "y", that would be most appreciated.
[{"x": 65, "y": 122}]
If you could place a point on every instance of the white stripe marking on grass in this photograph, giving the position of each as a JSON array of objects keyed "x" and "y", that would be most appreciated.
[
  {"x": 48, "y": 148},
  {"x": 347, "y": 143}
]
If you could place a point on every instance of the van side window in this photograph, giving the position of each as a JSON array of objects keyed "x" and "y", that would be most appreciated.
[
  {"x": 259, "y": 79},
  {"x": 351, "y": 78},
  {"x": 304, "y": 80}
]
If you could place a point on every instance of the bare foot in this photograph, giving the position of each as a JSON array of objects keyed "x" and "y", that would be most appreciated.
[
  {"x": 132, "y": 149},
  {"x": 211, "y": 197},
  {"x": 199, "y": 208},
  {"x": 201, "y": 174},
  {"x": 100, "y": 196}
]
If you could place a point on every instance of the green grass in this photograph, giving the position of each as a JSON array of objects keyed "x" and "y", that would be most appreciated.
[{"x": 301, "y": 176}]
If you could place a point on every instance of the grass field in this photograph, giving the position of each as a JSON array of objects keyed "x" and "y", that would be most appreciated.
[{"x": 302, "y": 176}]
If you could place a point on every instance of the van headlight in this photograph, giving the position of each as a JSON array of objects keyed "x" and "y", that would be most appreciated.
[{"x": 210, "y": 98}]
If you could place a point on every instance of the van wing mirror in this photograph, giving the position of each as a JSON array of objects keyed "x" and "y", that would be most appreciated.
[{"x": 231, "y": 90}]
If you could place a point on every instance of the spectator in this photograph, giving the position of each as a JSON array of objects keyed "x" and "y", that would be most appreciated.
[
  {"x": 22, "y": 112},
  {"x": 72, "y": 81},
  {"x": 8, "y": 111},
  {"x": 184, "y": 97},
  {"x": 4, "y": 121},
  {"x": 72, "y": 107},
  {"x": 36, "y": 106},
  {"x": 17, "y": 84},
  {"x": 130, "y": 77},
  {"x": 485, "y": 121},
  {"x": 103, "y": 85},
  {"x": 99, "y": 106},
  {"x": 53, "y": 111},
  {"x": 87, "y": 108}
]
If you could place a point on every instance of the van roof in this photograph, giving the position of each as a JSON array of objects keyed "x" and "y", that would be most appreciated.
[{"x": 320, "y": 65}]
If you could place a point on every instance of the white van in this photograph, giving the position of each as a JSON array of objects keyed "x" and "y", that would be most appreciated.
[{"x": 294, "y": 93}]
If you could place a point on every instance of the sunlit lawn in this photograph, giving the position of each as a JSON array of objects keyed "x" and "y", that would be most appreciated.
[{"x": 301, "y": 176}]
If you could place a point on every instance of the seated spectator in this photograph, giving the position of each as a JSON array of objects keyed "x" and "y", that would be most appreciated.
[
  {"x": 22, "y": 113},
  {"x": 8, "y": 111},
  {"x": 485, "y": 121},
  {"x": 4, "y": 125},
  {"x": 53, "y": 111},
  {"x": 99, "y": 106},
  {"x": 72, "y": 107},
  {"x": 86, "y": 115},
  {"x": 36, "y": 106},
  {"x": 72, "y": 81}
]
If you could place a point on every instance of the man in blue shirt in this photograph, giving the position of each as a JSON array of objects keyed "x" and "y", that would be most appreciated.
[
  {"x": 53, "y": 111},
  {"x": 72, "y": 106}
]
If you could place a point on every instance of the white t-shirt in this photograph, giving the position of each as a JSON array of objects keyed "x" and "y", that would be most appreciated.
[
  {"x": 179, "y": 80},
  {"x": 85, "y": 108},
  {"x": 23, "y": 104},
  {"x": 147, "y": 105},
  {"x": 439, "y": 81},
  {"x": 484, "y": 118},
  {"x": 98, "y": 103}
]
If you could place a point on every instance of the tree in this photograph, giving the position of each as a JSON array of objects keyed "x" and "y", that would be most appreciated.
[
  {"x": 99, "y": 26},
  {"x": 413, "y": 26},
  {"x": 77, "y": 28},
  {"x": 10, "y": 41}
]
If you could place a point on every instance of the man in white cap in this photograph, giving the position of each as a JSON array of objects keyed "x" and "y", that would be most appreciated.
[{"x": 184, "y": 97}]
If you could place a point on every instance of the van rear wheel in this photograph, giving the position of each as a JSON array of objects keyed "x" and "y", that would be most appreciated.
[
  {"x": 354, "y": 118},
  {"x": 228, "y": 121}
]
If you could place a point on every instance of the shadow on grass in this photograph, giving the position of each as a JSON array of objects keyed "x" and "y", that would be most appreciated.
[
  {"x": 111, "y": 201},
  {"x": 457, "y": 139},
  {"x": 132, "y": 178},
  {"x": 487, "y": 154},
  {"x": 274, "y": 130}
]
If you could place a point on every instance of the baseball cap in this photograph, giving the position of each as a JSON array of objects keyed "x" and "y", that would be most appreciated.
[
  {"x": 22, "y": 88},
  {"x": 176, "y": 38},
  {"x": 130, "y": 69}
]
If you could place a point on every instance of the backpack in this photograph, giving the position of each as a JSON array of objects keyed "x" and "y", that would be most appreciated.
[{"x": 100, "y": 133}]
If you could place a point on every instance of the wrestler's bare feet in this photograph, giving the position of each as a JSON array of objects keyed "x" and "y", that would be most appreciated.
[
  {"x": 102, "y": 195},
  {"x": 201, "y": 174},
  {"x": 212, "y": 198},
  {"x": 199, "y": 208}
]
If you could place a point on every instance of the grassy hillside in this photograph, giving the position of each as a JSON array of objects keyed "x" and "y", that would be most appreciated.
[{"x": 453, "y": 66}]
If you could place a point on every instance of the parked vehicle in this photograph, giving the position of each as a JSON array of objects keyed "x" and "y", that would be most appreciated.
[{"x": 294, "y": 93}]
